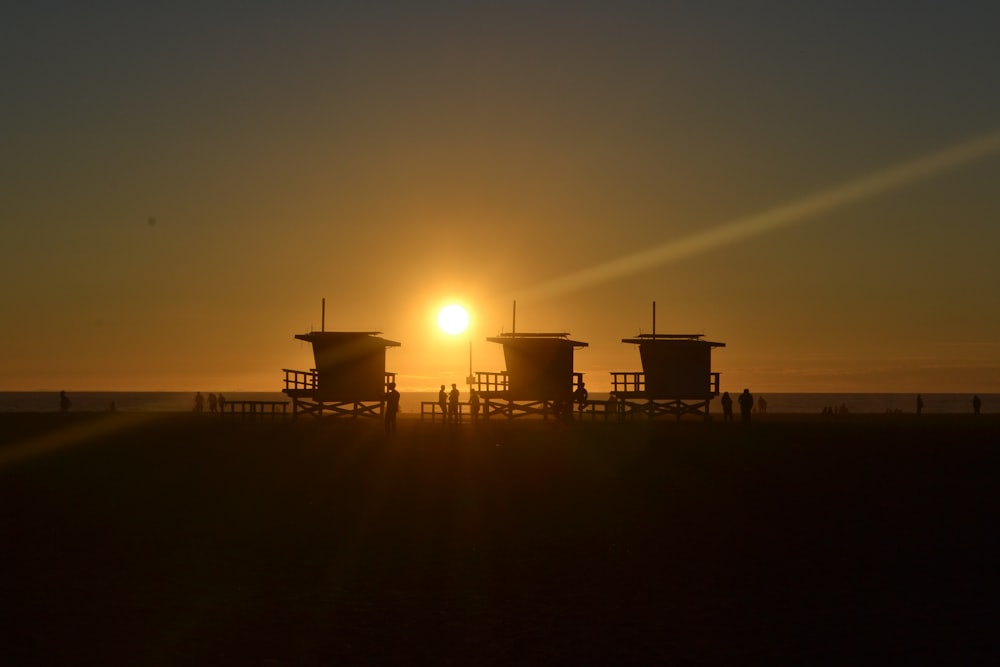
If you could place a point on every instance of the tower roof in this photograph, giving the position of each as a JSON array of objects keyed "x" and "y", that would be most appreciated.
[
  {"x": 649, "y": 338},
  {"x": 343, "y": 336},
  {"x": 510, "y": 337}
]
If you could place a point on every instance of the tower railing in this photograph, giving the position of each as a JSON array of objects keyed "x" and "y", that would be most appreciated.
[
  {"x": 492, "y": 382},
  {"x": 628, "y": 382},
  {"x": 309, "y": 380},
  {"x": 634, "y": 382},
  {"x": 301, "y": 380}
]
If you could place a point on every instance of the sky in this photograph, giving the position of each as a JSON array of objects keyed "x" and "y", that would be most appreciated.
[{"x": 816, "y": 185}]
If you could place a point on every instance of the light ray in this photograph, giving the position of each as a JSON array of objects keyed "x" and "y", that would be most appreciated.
[
  {"x": 872, "y": 185},
  {"x": 72, "y": 435}
]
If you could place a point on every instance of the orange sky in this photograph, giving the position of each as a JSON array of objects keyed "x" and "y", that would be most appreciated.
[{"x": 184, "y": 185}]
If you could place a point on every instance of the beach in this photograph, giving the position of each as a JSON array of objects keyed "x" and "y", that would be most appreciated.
[{"x": 164, "y": 539}]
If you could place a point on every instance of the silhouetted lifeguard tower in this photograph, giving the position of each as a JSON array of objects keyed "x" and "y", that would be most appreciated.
[
  {"x": 349, "y": 379},
  {"x": 676, "y": 377},
  {"x": 539, "y": 379}
]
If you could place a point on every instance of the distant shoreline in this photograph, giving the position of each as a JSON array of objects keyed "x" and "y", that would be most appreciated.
[
  {"x": 777, "y": 403},
  {"x": 55, "y": 420}
]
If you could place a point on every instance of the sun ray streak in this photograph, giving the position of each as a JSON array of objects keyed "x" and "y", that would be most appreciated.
[
  {"x": 74, "y": 434},
  {"x": 872, "y": 185}
]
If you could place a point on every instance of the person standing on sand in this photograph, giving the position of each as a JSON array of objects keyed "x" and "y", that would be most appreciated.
[
  {"x": 63, "y": 402},
  {"x": 453, "y": 403},
  {"x": 920, "y": 404},
  {"x": 746, "y": 405},
  {"x": 199, "y": 402},
  {"x": 611, "y": 407},
  {"x": 213, "y": 402},
  {"x": 443, "y": 402},
  {"x": 474, "y": 404},
  {"x": 976, "y": 405},
  {"x": 727, "y": 408},
  {"x": 391, "y": 408},
  {"x": 222, "y": 403},
  {"x": 580, "y": 396}
]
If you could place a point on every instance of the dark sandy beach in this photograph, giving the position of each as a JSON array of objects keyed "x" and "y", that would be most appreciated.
[{"x": 141, "y": 539}]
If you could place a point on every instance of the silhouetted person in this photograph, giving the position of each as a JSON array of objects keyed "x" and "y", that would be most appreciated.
[
  {"x": 761, "y": 405},
  {"x": 580, "y": 396},
  {"x": 443, "y": 402},
  {"x": 615, "y": 407},
  {"x": 213, "y": 402},
  {"x": 63, "y": 402},
  {"x": 727, "y": 408},
  {"x": 976, "y": 405},
  {"x": 222, "y": 403},
  {"x": 199, "y": 402},
  {"x": 391, "y": 408},
  {"x": 746, "y": 405},
  {"x": 920, "y": 404},
  {"x": 474, "y": 404},
  {"x": 453, "y": 403}
]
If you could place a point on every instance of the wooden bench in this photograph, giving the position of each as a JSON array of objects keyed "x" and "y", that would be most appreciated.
[
  {"x": 254, "y": 409},
  {"x": 599, "y": 407},
  {"x": 433, "y": 408}
]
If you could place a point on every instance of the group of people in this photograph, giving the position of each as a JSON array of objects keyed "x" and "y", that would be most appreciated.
[
  {"x": 215, "y": 403},
  {"x": 448, "y": 401},
  {"x": 745, "y": 401},
  {"x": 450, "y": 406}
]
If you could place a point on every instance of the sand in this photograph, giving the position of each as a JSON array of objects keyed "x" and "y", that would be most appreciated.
[{"x": 183, "y": 539}]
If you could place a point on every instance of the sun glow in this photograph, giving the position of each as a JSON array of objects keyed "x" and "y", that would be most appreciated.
[{"x": 453, "y": 319}]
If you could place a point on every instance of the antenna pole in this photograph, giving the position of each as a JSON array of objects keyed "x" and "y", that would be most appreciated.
[
  {"x": 322, "y": 317},
  {"x": 654, "y": 319},
  {"x": 513, "y": 326}
]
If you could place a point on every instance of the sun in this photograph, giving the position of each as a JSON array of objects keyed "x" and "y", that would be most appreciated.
[{"x": 453, "y": 319}]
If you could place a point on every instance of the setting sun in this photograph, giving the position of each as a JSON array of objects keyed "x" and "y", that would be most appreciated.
[{"x": 453, "y": 319}]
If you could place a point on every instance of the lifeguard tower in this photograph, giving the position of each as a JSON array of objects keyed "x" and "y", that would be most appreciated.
[
  {"x": 539, "y": 379},
  {"x": 349, "y": 379},
  {"x": 676, "y": 377}
]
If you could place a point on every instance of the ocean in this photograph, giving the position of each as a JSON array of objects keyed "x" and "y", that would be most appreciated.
[{"x": 98, "y": 401}]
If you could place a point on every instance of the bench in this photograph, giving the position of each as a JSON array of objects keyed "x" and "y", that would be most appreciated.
[
  {"x": 599, "y": 407},
  {"x": 433, "y": 408}
]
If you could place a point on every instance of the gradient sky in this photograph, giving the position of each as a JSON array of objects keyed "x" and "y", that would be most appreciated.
[{"x": 184, "y": 182}]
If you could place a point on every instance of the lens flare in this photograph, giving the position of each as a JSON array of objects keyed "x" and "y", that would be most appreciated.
[{"x": 877, "y": 183}]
